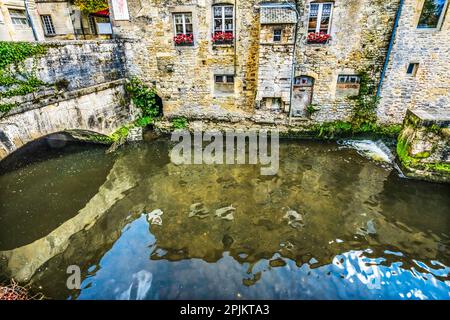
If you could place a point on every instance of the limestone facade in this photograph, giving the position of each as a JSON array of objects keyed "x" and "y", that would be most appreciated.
[
  {"x": 260, "y": 70},
  {"x": 428, "y": 86},
  {"x": 14, "y": 24}
]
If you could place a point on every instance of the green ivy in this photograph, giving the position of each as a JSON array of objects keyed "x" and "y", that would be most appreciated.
[
  {"x": 366, "y": 102},
  {"x": 15, "y": 52},
  {"x": 144, "y": 98},
  {"x": 179, "y": 123},
  {"x": 92, "y": 5},
  {"x": 15, "y": 81},
  {"x": 7, "y": 107}
]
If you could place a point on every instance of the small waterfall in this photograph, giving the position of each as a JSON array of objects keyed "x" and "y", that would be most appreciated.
[{"x": 375, "y": 150}]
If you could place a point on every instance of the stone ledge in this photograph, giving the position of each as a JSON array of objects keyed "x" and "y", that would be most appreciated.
[{"x": 41, "y": 99}]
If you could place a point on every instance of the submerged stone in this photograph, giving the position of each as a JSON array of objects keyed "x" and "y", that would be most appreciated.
[
  {"x": 198, "y": 210},
  {"x": 226, "y": 213}
]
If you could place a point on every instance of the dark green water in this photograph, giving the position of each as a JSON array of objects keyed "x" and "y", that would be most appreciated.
[{"x": 358, "y": 231}]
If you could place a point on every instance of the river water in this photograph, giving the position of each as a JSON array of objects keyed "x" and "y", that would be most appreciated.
[{"x": 332, "y": 224}]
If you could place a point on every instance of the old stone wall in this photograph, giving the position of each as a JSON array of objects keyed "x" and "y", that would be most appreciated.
[
  {"x": 78, "y": 64},
  {"x": 101, "y": 109},
  {"x": 429, "y": 88},
  {"x": 424, "y": 145},
  {"x": 360, "y": 32},
  {"x": 184, "y": 75}
]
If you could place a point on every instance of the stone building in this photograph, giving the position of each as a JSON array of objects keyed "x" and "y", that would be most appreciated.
[
  {"x": 218, "y": 57},
  {"x": 418, "y": 75},
  {"x": 62, "y": 20},
  {"x": 17, "y": 19}
]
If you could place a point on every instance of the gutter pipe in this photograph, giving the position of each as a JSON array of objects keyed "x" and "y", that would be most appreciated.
[{"x": 391, "y": 44}]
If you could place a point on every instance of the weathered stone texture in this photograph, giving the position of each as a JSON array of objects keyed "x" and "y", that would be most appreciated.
[
  {"x": 101, "y": 109},
  {"x": 184, "y": 75},
  {"x": 80, "y": 64},
  {"x": 424, "y": 145},
  {"x": 360, "y": 32},
  {"x": 429, "y": 89}
]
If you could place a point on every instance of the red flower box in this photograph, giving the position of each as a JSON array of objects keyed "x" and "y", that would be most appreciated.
[
  {"x": 222, "y": 37},
  {"x": 318, "y": 37},
  {"x": 184, "y": 39}
]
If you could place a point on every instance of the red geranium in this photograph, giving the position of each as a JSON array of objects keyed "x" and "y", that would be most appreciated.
[
  {"x": 183, "y": 39},
  {"x": 318, "y": 37},
  {"x": 222, "y": 37}
]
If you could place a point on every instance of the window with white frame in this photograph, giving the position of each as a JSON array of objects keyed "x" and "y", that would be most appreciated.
[
  {"x": 223, "y": 18},
  {"x": 320, "y": 17},
  {"x": 47, "y": 22},
  {"x": 18, "y": 17},
  {"x": 183, "y": 23}
]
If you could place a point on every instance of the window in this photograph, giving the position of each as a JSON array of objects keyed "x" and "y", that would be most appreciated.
[
  {"x": 277, "y": 35},
  {"x": 412, "y": 69},
  {"x": 223, "y": 18},
  {"x": 183, "y": 23},
  {"x": 320, "y": 17},
  {"x": 184, "y": 35},
  {"x": 92, "y": 25},
  {"x": 223, "y": 84},
  {"x": 224, "y": 78},
  {"x": 48, "y": 25},
  {"x": 347, "y": 85},
  {"x": 348, "y": 79},
  {"x": 18, "y": 17},
  {"x": 303, "y": 81},
  {"x": 432, "y": 14}
]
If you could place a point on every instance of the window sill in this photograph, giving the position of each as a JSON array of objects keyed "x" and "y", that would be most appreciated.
[{"x": 428, "y": 30}]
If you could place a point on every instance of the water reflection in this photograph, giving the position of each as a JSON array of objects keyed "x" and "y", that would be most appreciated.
[{"x": 330, "y": 225}]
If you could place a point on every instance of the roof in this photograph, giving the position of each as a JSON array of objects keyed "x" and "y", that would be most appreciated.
[{"x": 277, "y": 14}]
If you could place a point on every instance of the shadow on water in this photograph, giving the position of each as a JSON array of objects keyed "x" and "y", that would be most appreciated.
[{"x": 331, "y": 225}]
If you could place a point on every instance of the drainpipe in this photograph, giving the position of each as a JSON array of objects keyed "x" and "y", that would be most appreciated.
[
  {"x": 294, "y": 63},
  {"x": 30, "y": 21},
  {"x": 391, "y": 44}
]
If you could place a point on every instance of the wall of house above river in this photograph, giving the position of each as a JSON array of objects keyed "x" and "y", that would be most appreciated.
[{"x": 212, "y": 76}]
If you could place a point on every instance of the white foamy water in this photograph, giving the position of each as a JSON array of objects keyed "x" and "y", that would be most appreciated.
[{"x": 375, "y": 150}]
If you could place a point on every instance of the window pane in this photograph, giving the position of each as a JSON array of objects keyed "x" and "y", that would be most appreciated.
[
  {"x": 188, "y": 18},
  {"x": 324, "y": 23},
  {"x": 217, "y": 24},
  {"x": 312, "y": 25},
  {"x": 217, "y": 11},
  {"x": 178, "y": 28},
  {"x": 219, "y": 78},
  {"x": 230, "y": 79},
  {"x": 228, "y": 11},
  {"x": 431, "y": 13},
  {"x": 314, "y": 10},
  {"x": 189, "y": 28},
  {"x": 229, "y": 24},
  {"x": 326, "y": 10},
  {"x": 178, "y": 18}
]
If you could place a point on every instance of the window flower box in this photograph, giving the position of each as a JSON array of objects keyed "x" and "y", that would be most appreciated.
[
  {"x": 184, "y": 39},
  {"x": 318, "y": 38},
  {"x": 222, "y": 38}
]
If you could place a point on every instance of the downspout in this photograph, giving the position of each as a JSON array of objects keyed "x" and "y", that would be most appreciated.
[
  {"x": 391, "y": 44},
  {"x": 294, "y": 63},
  {"x": 30, "y": 21}
]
